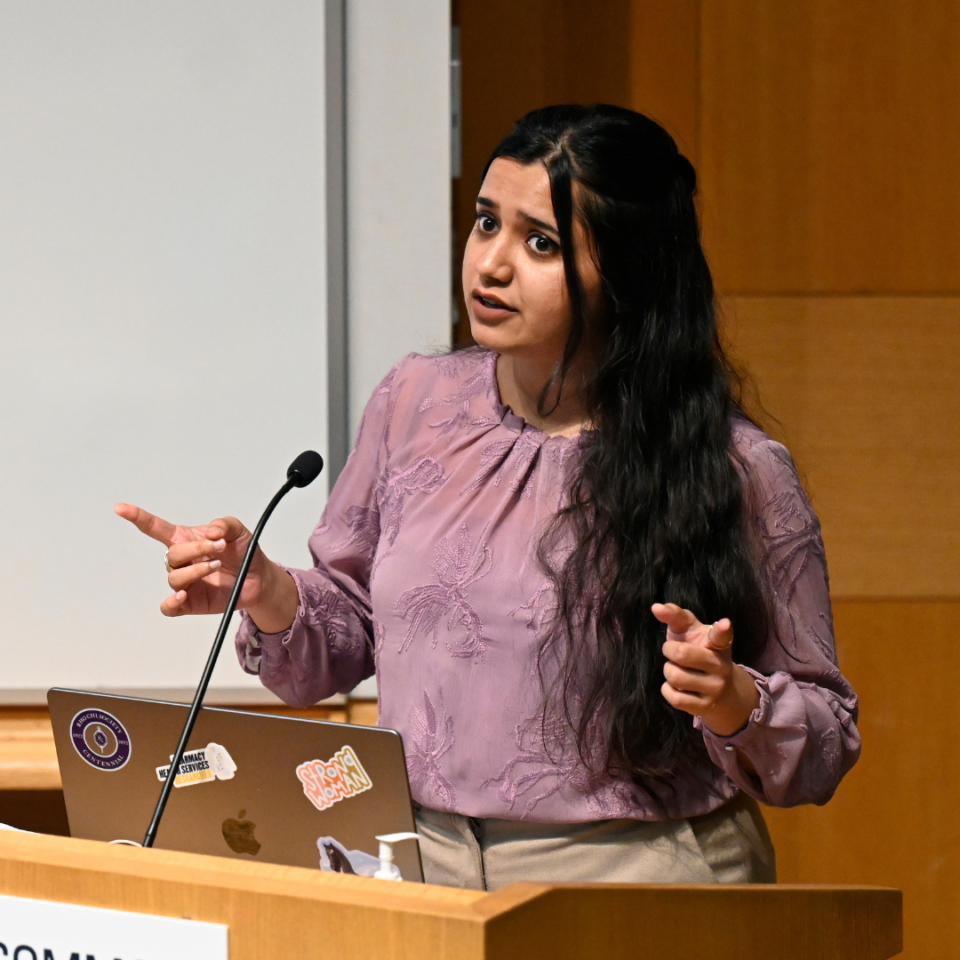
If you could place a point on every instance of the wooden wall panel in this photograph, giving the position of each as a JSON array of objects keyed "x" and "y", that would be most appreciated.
[
  {"x": 868, "y": 398},
  {"x": 664, "y": 67},
  {"x": 830, "y": 145},
  {"x": 893, "y": 821},
  {"x": 521, "y": 56}
]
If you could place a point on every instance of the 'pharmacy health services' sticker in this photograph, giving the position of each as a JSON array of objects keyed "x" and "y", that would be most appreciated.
[
  {"x": 212, "y": 762},
  {"x": 100, "y": 739},
  {"x": 327, "y": 782}
]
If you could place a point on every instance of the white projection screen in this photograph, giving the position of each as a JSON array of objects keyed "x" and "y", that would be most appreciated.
[{"x": 163, "y": 301}]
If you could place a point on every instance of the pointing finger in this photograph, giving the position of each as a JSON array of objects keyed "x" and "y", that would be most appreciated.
[
  {"x": 147, "y": 523},
  {"x": 676, "y": 618}
]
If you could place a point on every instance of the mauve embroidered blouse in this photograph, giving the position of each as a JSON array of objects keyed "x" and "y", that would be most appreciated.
[{"x": 425, "y": 571}]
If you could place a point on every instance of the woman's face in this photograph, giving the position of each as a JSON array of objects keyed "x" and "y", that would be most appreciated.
[{"x": 513, "y": 277}]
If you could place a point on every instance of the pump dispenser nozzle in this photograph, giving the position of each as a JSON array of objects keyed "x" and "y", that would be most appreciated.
[{"x": 388, "y": 869}]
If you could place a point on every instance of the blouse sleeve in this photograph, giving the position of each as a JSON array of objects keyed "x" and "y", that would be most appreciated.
[
  {"x": 802, "y": 738},
  {"x": 329, "y": 647}
]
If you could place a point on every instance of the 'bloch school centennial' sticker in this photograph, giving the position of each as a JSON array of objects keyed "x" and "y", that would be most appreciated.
[
  {"x": 326, "y": 782},
  {"x": 213, "y": 762},
  {"x": 100, "y": 739}
]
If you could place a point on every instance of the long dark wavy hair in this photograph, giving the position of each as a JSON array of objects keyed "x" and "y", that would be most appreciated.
[{"x": 659, "y": 510}]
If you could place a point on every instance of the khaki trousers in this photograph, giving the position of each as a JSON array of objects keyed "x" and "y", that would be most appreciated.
[{"x": 730, "y": 845}]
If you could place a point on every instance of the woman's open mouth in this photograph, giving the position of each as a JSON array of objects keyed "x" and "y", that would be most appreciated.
[{"x": 490, "y": 308}]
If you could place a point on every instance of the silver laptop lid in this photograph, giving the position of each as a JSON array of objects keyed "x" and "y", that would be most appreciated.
[{"x": 306, "y": 793}]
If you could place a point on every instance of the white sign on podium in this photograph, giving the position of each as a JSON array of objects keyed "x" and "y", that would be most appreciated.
[{"x": 45, "y": 930}]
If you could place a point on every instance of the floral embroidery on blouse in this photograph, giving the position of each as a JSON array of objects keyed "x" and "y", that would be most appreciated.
[
  {"x": 475, "y": 386},
  {"x": 456, "y": 567},
  {"x": 520, "y": 452},
  {"x": 430, "y": 737},
  {"x": 791, "y": 536},
  {"x": 386, "y": 384},
  {"x": 331, "y": 612},
  {"x": 547, "y": 747},
  {"x": 379, "y": 635},
  {"x": 540, "y": 610},
  {"x": 538, "y": 614},
  {"x": 454, "y": 364},
  {"x": 364, "y": 524},
  {"x": 424, "y": 475},
  {"x": 564, "y": 449}
]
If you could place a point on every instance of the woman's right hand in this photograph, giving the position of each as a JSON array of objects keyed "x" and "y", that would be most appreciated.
[{"x": 204, "y": 562}]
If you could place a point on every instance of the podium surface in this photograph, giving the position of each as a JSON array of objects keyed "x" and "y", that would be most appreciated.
[{"x": 289, "y": 911}]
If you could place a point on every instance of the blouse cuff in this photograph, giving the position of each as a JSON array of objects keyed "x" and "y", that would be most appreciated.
[
  {"x": 759, "y": 718},
  {"x": 251, "y": 641}
]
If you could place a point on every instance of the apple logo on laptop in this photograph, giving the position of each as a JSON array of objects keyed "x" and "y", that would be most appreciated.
[{"x": 239, "y": 834}]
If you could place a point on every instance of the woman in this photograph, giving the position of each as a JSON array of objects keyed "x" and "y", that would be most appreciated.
[{"x": 518, "y": 522}]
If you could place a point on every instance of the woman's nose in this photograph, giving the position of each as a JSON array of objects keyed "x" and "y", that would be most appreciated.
[{"x": 495, "y": 264}]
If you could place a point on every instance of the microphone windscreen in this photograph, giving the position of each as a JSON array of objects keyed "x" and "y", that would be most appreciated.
[{"x": 305, "y": 469}]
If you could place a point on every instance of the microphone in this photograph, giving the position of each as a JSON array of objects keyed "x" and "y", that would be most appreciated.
[{"x": 303, "y": 471}]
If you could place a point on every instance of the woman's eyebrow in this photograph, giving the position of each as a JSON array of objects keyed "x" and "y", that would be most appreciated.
[
  {"x": 539, "y": 223},
  {"x": 493, "y": 205}
]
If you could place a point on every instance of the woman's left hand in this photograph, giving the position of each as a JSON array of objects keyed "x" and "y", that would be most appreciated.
[{"x": 702, "y": 678}]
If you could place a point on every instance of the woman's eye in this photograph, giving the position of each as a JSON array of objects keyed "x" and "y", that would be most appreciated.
[
  {"x": 541, "y": 244},
  {"x": 486, "y": 223}
]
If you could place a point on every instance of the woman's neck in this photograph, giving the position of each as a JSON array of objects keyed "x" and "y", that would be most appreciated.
[{"x": 521, "y": 383}]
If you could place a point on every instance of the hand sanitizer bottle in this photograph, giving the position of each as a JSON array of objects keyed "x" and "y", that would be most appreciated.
[{"x": 388, "y": 869}]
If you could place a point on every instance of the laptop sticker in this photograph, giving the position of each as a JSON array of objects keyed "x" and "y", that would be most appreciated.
[
  {"x": 335, "y": 858},
  {"x": 327, "y": 782},
  {"x": 212, "y": 762},
  {"x": 100, "y": 739}
]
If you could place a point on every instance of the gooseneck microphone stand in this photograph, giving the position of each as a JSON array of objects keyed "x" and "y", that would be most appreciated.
[{"x": 304, "y": 470}]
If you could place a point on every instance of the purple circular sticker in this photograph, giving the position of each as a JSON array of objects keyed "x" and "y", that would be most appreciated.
[{"x": 100, "y": 738}]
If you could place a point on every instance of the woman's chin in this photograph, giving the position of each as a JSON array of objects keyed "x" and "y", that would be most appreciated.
[
  {"x": 489, "y": 336},
  {"x": 496, "y": 336},
  {"x": 514, "y": 347}
]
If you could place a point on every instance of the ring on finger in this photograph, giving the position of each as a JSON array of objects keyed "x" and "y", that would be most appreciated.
[
  {"x": 729, "y": 643},
  {"x": 166, "y": 560}
]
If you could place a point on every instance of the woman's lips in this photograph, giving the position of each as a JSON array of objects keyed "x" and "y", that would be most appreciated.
[{"x": 490, "y": 310}]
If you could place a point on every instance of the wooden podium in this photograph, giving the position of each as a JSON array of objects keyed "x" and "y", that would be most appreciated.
[{"x": 275, "y": 911}]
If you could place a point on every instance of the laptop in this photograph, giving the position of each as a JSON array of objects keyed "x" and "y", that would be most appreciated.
[{"x": 252, "y": 786}]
